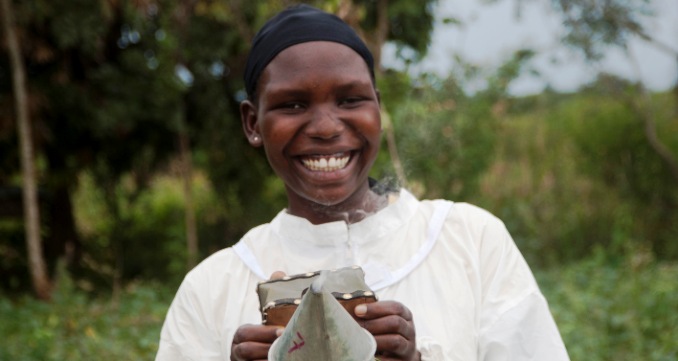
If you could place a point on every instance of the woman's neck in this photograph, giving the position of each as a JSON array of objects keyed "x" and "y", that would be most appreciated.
[{"x": 350, "y": 211}]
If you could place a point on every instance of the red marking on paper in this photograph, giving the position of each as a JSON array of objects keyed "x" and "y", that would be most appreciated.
[{"x": 297, "y": 345}]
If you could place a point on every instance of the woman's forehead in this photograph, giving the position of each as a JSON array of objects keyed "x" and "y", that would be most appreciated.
[{"x": 318, "y": 59}]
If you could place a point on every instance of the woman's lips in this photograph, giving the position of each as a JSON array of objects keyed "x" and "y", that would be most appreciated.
[{"x": 326, "y": 163}]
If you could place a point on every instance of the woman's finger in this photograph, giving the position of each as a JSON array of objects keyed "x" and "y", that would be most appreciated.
[
  {"x": 251, "y": 342},
  {"x": 382, "y": 308}
]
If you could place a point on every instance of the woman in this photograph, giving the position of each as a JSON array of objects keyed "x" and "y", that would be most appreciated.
[{"x": 451, "y": 283}]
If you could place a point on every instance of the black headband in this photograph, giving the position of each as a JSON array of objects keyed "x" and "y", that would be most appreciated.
[{"x": 298, "y": 24}]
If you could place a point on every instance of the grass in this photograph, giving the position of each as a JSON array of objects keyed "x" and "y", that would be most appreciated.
[
  {"x": 606, "y": 309},
  {"x": 74, "y": 326},
  {"x": 616, "y": 310}
]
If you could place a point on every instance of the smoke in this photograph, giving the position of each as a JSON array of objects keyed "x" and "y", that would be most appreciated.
[{"x": 373, "y": 202}]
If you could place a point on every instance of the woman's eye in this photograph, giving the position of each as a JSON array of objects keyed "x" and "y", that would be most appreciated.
[
  {"x": 292, "y": 106},
  {"x": 350, "y": 101}
]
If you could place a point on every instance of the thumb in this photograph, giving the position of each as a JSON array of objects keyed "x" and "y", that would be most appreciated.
[{"x": 277, "y": 275}]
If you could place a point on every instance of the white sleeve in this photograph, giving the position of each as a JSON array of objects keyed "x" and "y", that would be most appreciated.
[
  {"x": 430, "y": 349},
  {"x": 515, "y": 321},
  {"x": 187, "y": 333},
  {"x": 525, "y": 332}
]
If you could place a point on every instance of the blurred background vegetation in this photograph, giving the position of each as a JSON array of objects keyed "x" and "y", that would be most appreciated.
[{"x": 142, "y": 168}]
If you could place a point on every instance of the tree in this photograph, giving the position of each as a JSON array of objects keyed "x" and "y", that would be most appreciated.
[
  {"x": 591, "y": 26},
  {"x": 118, "y": 89},
  {"x": 383, "y": 21},
  {"x": 633, "y": 159},
  {"x": 99, "y": 104},
  {"x": 41, "y": 283}
]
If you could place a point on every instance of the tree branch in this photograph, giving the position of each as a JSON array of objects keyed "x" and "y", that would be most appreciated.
[{"x": 644, "y": 110}]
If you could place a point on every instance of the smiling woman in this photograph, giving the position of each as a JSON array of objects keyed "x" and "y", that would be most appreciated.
[
  {"x": 317, "y": 105},
  {"x": 450, "y": 281}
]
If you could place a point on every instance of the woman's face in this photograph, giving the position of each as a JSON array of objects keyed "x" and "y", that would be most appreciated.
[{"x": 317, "y": 117}]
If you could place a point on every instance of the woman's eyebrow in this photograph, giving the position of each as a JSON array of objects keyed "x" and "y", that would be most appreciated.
[
  {"x": 294, "y": 91},
  {"x": 291, "y": 92},
  {"x": 353, "y": 85}
]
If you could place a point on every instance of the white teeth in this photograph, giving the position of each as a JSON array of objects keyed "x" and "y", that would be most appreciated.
[{"x": 326, "y": 164}]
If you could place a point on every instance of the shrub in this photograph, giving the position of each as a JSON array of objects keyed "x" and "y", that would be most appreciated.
[
  {"x": 615, "y": 309},
  {"x": 76, "y": 327}
]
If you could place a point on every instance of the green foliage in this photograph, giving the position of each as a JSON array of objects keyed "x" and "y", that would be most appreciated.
[
  {"x": 615, "y": 309},
  {"x": 458, "y": 133},
  {"x": 591, "y": 25},
  {"x": 149, "y": 226},
  {"x": 114, "y": 85},
  {"x": 75, "y": 326},
  {"x": 572, "y": 176},
  {"x": 403, "y": 16},
  {"x": 609, "y": 136},
  {"x": 574, "y": 171},
  {"x": 534, "y": 188},
  {"x": 12, "y": 260},
  {"x": 606, "y": 308},
  {"x": 564, "y": 172},
  {"x": 459, "y": 128}
]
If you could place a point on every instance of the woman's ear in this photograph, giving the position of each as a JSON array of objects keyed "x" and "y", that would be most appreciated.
[{"x": 250, "y": 125}]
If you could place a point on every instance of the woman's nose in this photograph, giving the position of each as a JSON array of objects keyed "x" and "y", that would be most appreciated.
[{"x": 324, "y": 124}]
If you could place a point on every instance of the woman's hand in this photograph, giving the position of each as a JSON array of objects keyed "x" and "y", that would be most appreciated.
[
  {"x": 251, "y": 342},
  {"x": 391, "y": 324}
]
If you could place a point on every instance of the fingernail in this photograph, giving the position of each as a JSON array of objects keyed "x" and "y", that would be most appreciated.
[
  {"x": 277, "y": 275},
  {"x": 360, "y": 310},
  {"x": 279, "y": 332}
]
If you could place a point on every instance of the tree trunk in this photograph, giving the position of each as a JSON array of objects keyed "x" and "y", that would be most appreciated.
[
  {"x": 387, "y": 126},
  {"x": 187, "y": 176},
  {"x": 381, "y": 33},
  {"x": 38, "y": 270},
  {"x": 182, "y": 18},
  {"x": 375, "y": 41},
  {"x": 651, "y": 135},
  {"x": 379, "y": 39},
  {"x": 675, "y": 94}
]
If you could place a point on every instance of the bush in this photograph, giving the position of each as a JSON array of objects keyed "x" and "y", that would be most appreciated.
[
  {"x": 577, "y": 172},
  {"x": 606, "y": 308},
  {"x": 76, "y": 327},
  {"x": 142, "y": 235},
  {"x": 615, "y": 309}
]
